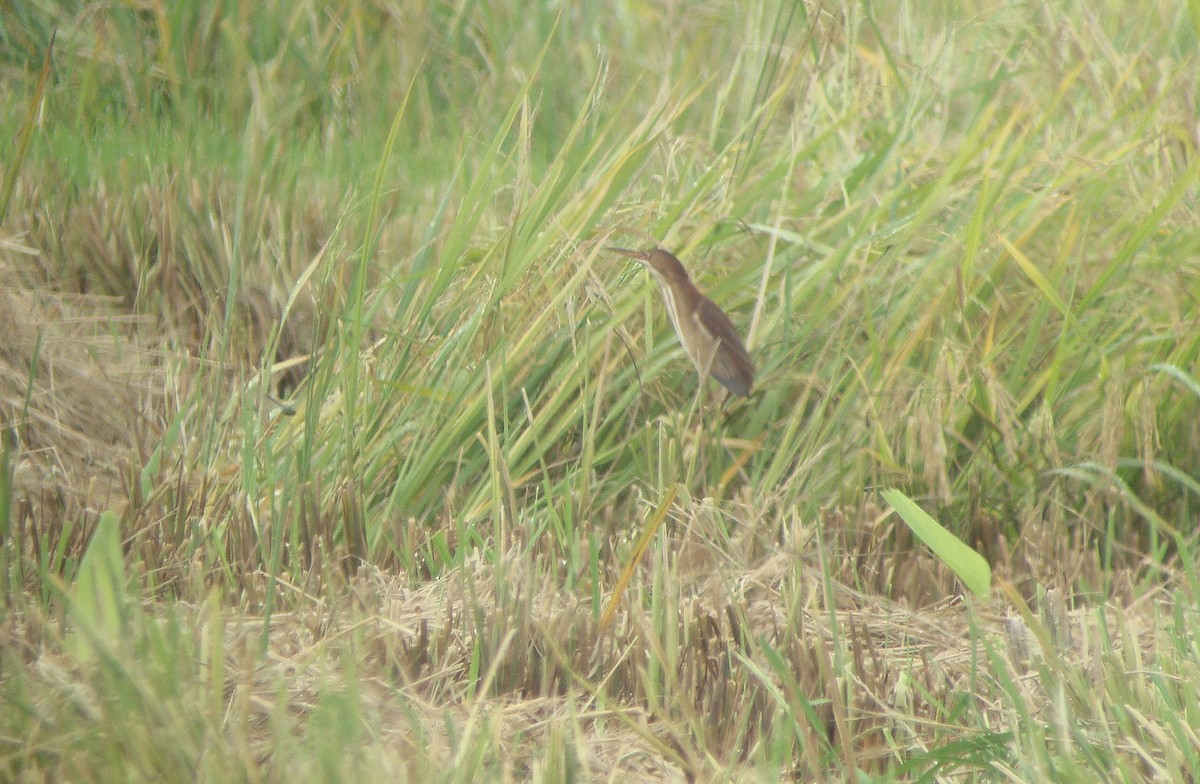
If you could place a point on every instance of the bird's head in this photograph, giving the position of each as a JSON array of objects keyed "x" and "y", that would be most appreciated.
[{"x": 665, "y": 267}]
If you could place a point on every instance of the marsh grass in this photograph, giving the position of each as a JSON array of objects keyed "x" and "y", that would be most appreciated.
[{"x": 962, "y": 247}]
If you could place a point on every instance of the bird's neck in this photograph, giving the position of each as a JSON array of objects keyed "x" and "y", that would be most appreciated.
[{"x": 681, "y": 299}]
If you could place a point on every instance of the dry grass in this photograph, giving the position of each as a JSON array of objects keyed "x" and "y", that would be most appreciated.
[
  {"x": 80, "y": 396},
  {"x": 516, "y": 679}
]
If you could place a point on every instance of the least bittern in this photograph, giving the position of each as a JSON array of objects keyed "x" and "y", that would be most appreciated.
[{"x": 707, "y": 334}]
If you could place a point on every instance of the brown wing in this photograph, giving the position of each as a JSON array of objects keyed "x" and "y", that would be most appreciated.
[{"x": 732, "y": 365}]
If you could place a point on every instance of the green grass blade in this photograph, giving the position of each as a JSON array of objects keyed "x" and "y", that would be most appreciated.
[{"x": 969, "y": 565}]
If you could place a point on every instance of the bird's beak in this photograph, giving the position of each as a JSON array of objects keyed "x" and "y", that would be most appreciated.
[{"x": 640, "y": 255}]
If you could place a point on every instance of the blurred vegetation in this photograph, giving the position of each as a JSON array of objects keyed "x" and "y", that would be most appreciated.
[{"x": 963, "y": 247}]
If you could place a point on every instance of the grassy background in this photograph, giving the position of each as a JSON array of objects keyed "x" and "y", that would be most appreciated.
[{"x": 962, "y": 244}]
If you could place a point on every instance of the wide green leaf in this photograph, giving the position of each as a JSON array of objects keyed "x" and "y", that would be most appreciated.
[
  {"x": 969, "y": 565},
  {"x": 100, "y": 591}
]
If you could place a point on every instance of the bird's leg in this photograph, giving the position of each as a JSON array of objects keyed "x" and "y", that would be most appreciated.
[
  {"x": 700, "y": 439},
  {"x": 701, "y": 430},
  {"x": 690, "y": 432}
]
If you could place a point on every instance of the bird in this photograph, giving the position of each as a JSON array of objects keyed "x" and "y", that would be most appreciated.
[{"x": 707, "y": 334}]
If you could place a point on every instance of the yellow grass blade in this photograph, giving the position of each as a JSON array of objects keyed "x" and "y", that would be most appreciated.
[{"x": 639, "y": 549}]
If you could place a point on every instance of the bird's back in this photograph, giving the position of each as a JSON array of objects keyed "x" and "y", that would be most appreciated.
[{"x": 730, "y": 363}]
